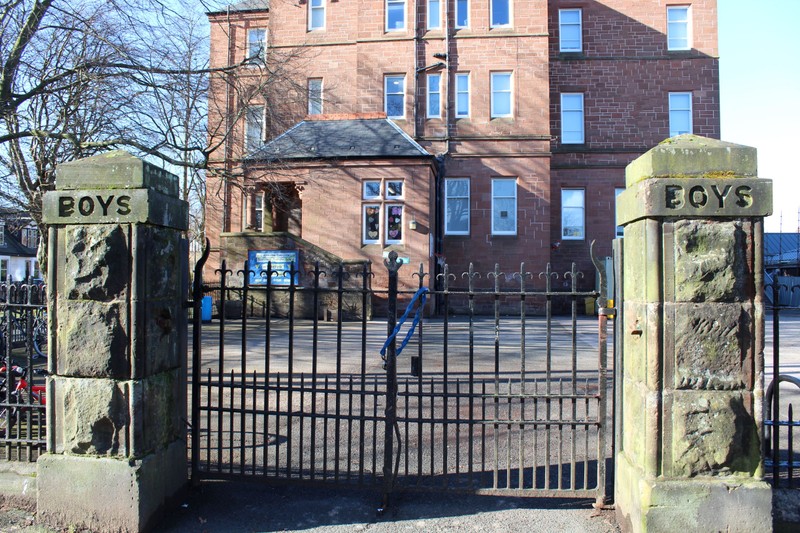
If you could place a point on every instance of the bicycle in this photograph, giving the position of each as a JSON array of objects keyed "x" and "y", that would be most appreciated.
[{"x": 14, "y": 404}]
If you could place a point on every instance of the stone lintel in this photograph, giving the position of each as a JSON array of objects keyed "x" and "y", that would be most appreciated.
[
  {"x": 115, "y": 206},
  {"x": 692, "y": 156},
  {"x": 117, "y": 169},
  {"x": 681, "y": 197}
]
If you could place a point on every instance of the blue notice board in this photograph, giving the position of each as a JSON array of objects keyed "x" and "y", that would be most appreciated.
[{"x": 281, "y": 262}]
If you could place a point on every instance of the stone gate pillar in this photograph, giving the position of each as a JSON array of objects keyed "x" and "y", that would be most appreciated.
[
  {"x": 693, "y": 340},
  {"x": 116, "y": 396}
]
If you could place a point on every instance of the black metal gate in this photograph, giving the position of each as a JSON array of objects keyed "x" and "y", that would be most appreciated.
[{"x": 498, "y": 394}]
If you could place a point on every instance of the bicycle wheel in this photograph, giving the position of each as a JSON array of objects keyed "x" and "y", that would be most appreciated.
[{"x": 40, "y": 342}]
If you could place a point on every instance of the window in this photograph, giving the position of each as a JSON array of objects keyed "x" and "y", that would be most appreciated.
[
  {"x": 382, "y": 213},
  {"x": 501, "y": 94},
  {"x": 258, "y": 208},
  {"x": 434, "y": 14},
  {"x": 570, "y": 32},
  {"x": 572, "y": 222},
  {"x": 572, "y": 118},
  {"x": 462, "y": 95},
  {"x": 395, "y": 96},
  {"x": 30, "y": 237},
  {"x": 394, "y": 224},
  {"x": 372, "y": 190},
  {"x": 617, "y": 192},
  {"x": 456, "y": 206},
  {"x": 3, "y": 270},
  {"x": 678, "y": 37},
  {"x": 315, "y": 96},
  {"x": 395, "y": 15},
  {"x": 394, "y": 189},
  {"x": 501, "y": 13},
  {"x": 680, "y": 113},
  {"x": 254, "y": 130},
  {"x": 434, "y": 95},
  {"x": 2, "y": 234},
  {"x": 316, "y": 14},
  {"x": 257, "y": 44},
  {"x": 504, "y": 207},
  {"x": 462, "y": 13}
]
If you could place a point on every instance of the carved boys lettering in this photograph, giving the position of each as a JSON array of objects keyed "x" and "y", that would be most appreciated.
[
  {"x": 98, "y": 204},
  {"x": 674, "y": 196},
  {"x": 698, "y": 196},
  {"x": 86, "y": 206},
  {"x": 66, "y": 206},
  {"x": 124, "y": 205},
  {"x": 744, "y": 197},
  {"x": 721, "y": 195}
]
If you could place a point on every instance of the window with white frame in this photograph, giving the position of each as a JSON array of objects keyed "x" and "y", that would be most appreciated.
[
  {"x": 570, "y": 30},
  {"x": 257, "y": 44},
  {"x": 501, "y": 94},
  {"x": 382, "y": 212},
  {"x": 504, "y": 206},
  {"x": 434, "y": 14},
  {"x": 395, "y": 15},
  {"x": 258, "y": 211},
  {"x": 678, "y": 28},
  {"x": 315, "y": 96},
  {"x": 462, "y": 95},
  {"x": 500, "y": 13},
  {"x": 462, "y": 13},
  {"x": 680, "y": 113},
  {"x": 617, "y": 191},
  {"x": 572, "y": 118},
  {"x": 573, "y": 225},
  {"x": 395, "y": 96},
  {"x": 3, "y": 270},
  {"x": 456, "y": 206},
  {"x": 316, "y": 14},
  {"x": 434, "y": 95},
  {"x": 2, "y": 233},
  {"x": 254, "y": 128},
  {"x": 30, "y": 237}
]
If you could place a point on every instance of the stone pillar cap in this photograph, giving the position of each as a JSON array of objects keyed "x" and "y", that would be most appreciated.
[
  {"x": 116, "y": 169},
  {"x": 692, "y": 156}
]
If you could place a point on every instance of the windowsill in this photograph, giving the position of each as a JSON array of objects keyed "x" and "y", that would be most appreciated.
[
  {"x": 505, "y": 120},
  {"x": 570, "y": 55},
  {"x": 493, "y": 235},
  {"x": 457, "y": 235}
]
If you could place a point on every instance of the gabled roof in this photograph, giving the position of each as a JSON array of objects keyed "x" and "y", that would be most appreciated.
[
  {"x": 340, "y": 139},
  {"x": 244, "y": 6},
  {"x": 12, "y": 247}
]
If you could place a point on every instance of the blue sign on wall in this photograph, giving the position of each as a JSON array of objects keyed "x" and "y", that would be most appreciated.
[{"x": 281, "y": 262}]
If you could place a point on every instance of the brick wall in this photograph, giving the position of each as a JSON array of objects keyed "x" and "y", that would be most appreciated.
[{"x": 624, "y": 70}]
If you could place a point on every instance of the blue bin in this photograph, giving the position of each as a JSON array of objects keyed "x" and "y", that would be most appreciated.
[{"x": 205, "y": 309}]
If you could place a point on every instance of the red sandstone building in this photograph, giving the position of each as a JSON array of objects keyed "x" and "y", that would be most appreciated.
[{"x": 483, "y": 131}]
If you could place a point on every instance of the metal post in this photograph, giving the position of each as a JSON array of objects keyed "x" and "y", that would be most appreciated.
[
  {"x": 390, "y": 365},
  {"x": 197, "y": 321}
]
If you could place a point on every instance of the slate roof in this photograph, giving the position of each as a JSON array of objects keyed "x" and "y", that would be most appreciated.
[
  {"x": 781, "y": 249},
  {"x": 12, "y": 247},
  {"x": 243, "y": 6},
  {"x": 340, "y": 139}
]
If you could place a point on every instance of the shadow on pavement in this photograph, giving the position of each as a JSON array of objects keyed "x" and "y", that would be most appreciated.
[{"x": 240, "y": 506}]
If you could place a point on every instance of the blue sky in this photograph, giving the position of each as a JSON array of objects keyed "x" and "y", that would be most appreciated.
[{"x": 760, "y": 93}]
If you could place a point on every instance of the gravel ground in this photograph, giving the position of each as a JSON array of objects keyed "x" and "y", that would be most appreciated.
[{"x": 232, "y": 507}]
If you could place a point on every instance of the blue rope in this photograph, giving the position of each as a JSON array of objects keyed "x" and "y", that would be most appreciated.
[{"x": 422, "y": 295}]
